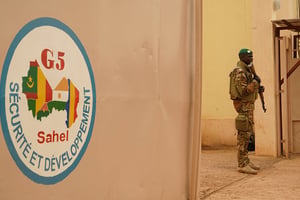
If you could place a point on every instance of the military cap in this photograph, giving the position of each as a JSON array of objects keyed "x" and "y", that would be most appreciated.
[{"x": 245, "y": 51}]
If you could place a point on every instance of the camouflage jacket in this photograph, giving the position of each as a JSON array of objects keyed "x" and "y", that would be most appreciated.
[{"x": 244, "y": 77}]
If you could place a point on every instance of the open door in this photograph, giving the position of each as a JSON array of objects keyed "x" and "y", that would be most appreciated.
[{"x": 293, "y": 76}]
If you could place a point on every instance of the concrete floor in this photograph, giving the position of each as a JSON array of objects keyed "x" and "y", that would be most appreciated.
[{"x": 278, "y": 179}]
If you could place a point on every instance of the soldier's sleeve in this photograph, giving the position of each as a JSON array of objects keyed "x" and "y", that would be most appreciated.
[{"x": 241, "y": 82}]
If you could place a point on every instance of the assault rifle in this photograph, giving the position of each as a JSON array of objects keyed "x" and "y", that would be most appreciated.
[{"x": 261, "y": 88}]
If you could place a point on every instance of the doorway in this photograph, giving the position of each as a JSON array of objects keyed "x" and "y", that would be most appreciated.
[{"x": 287, "y": 62}]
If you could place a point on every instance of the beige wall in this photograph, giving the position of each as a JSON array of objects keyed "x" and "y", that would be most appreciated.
[
  {"x": 246, "y": 24},
  {"x": 227, "y": 27},
  {"x": 139, "y": 52},
  {"x": 266, "y": 123},
  {"x": 266, "y": 142}
]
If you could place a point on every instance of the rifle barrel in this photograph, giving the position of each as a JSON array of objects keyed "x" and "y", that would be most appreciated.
[{"x": 261, "y": 94}]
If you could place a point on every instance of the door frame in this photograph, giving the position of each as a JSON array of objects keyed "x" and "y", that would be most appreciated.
[{"x": 282, "y": 51}]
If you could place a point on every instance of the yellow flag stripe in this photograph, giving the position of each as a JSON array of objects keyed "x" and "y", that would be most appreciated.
[
  {"x": 72, "y": 104},
  {"x": 41, "y": 90}
]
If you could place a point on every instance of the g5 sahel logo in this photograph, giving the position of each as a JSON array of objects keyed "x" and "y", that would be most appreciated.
[{"x": 47, "y": 100}]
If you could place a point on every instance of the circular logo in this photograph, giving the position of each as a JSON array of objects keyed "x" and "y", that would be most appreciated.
[{"x": 47, "y": 100}]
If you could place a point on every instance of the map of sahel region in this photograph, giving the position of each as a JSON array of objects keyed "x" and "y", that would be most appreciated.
[{"x": 42, "y": 99}]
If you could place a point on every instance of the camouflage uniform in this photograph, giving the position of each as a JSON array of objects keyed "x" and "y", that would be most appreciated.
[{"x": 244, "y": 106}]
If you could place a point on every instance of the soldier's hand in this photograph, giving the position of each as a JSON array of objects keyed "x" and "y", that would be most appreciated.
[
  {"x": 257, "y": 78},
  {"x": 261, "y": 89},
  {"x": 252, "y": 86}
]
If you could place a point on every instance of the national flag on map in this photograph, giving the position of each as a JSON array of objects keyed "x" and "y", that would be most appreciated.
[
  {"x": 61, "y": 91},
  {"x": 72, "y": 104},
  {"x": 36, "y": 88}
]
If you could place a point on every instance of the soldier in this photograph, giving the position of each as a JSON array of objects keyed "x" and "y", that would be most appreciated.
[{"x": 244, "y": 91}]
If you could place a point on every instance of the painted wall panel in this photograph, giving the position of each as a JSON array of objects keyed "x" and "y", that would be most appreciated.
[{"x": 139, "y": 53}]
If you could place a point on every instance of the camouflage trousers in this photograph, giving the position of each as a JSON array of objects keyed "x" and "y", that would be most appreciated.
[{"x": 243, "y": 137}]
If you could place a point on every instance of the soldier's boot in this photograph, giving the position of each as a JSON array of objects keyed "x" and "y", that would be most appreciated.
[
  {"x": 247, "y": 169},
  {"x": 256, "y": 167}
]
